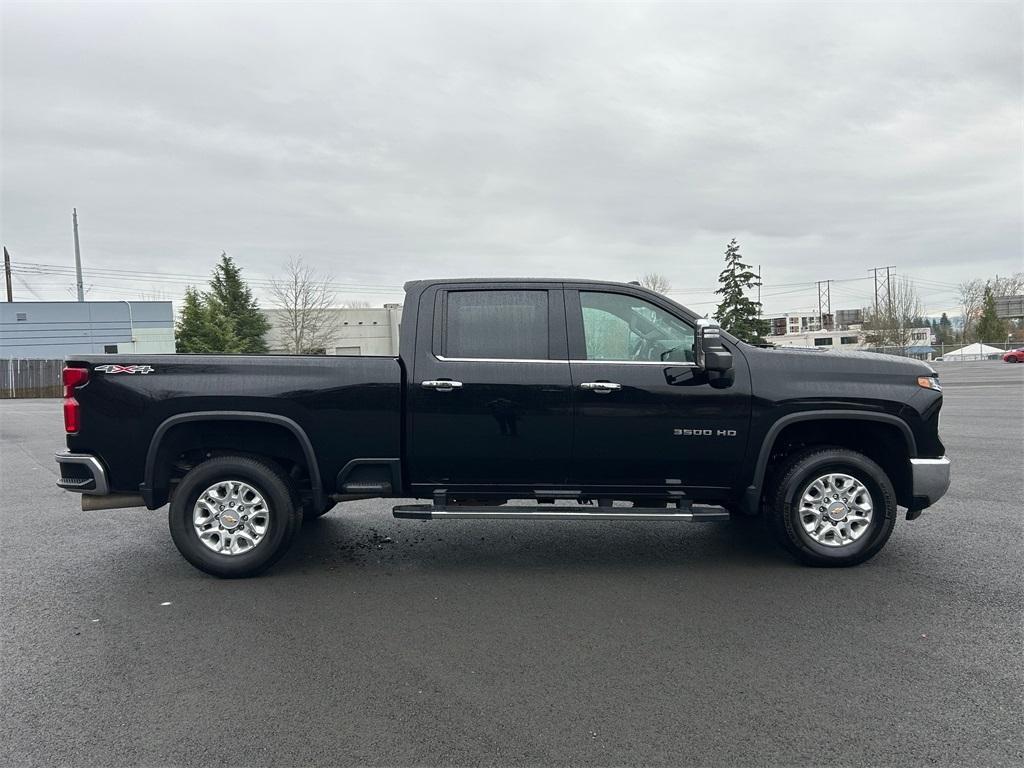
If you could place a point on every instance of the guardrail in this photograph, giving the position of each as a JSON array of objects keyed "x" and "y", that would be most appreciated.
[{"x": 30, "y": 378}]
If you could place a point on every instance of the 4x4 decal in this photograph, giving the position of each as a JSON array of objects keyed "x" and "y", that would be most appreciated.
[{"x": 124, "y": 368}]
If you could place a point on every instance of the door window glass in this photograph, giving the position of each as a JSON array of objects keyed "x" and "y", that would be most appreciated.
[
  {"x": 625, "y": 328},
  {"x": 506, "y": 325}
]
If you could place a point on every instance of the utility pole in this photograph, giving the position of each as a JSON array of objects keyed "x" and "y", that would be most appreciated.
[
  {"x": 883, "y": 289},
  {"x": 78, "y": 257},
  {"x": 7, "y": 273},
  {"x": 758, "y": 291},
  {"x": 888, "y": 289},
  {"x": 824, "y": 302}
]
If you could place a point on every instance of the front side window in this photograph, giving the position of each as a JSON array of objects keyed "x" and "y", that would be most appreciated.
[
  {"x": 503, "y": 325},
  {"x": 624, "y": 328}
]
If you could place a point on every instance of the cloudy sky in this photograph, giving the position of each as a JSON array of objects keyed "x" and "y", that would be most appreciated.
[{"x": 388, "y": 142}]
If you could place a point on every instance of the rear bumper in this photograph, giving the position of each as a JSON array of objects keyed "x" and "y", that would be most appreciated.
[
  {"x": 82, "y": 473},
  {"x": 930, "y": 479}
]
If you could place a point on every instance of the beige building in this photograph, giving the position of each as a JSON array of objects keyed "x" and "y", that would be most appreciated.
[
  {"x": 355, "y": 331},
  {"x": 852, "y": 338}
]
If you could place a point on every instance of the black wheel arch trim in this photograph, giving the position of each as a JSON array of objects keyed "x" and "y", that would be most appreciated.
[
  {"x": 148, "y": 491},
  {"x": 752, "y": 495}
]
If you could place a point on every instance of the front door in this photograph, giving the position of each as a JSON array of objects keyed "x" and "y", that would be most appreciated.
[
  {"x": 489, "y": 393},
  {"x": 645, "y": 415}
]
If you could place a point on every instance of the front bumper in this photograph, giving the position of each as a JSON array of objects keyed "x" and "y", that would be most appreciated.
[
  {"x": 930, "y": 480},
  {"x": 82, "y": 473}
]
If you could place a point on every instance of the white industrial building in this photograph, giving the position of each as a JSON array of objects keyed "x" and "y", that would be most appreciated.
[
  {"x": 851, "y": 338},
  {"x": 354, "y": 330},
  {"x": 843, "y": 330}
]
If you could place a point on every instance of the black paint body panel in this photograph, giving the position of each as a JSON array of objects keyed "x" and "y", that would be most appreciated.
[
  {"x": 516, "y": 427},
  {"x": 349, "y": 407}
]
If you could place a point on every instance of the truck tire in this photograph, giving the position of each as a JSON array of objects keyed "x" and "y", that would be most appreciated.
[
  {"x": 832, "y": 507},
  {"x": 245, "y": 534}
]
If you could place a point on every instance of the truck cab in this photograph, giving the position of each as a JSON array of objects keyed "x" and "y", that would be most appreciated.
[{"x": 567, "y": 386}]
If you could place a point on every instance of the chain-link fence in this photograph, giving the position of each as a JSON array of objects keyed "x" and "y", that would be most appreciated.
[
  {"x": 30, "y": 378},
  {"x": 953, "y": 353}
]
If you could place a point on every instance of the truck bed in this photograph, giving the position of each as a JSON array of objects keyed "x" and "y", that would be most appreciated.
[{"x": 350, "y": 407}]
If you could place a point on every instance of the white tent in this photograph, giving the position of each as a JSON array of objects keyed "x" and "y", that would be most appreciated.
[{"x": 976, "y": 351}]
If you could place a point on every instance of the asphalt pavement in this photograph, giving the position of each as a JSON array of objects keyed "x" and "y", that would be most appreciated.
[{"x": 394, "y": 643}]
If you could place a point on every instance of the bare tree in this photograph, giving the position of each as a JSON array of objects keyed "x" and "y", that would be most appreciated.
[
  {"x": 892, "y": 323},
  {"x": 656, "y": 281},
  {"x": 304, "y": 301},
  {"x": 972, "y": 298}
]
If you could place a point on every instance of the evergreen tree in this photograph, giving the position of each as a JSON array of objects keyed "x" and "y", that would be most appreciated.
[
  {"x": 736, "y": 313},
  {"x": 235, "y": 302},
  {"x": 943, "y": 330},
  {"x": 202, "y": 328},
  {"x": 990, "y": 327}
]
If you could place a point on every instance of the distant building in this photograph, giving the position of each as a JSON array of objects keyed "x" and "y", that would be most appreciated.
[
  {"x": 799, "y": 322},
  {"x": 845, "y": 339},
  {"x": 54, "y": 329},
  {"x": 796, "y": 322},
  {"x": 919, "y": 344},
  {"x": 842, "y": 330},
  {"x": 357, "y": 331},
  {"x": 847, "y": 317}
]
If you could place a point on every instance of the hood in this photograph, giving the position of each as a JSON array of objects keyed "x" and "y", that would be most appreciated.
[{"x": 810, "y": 359}]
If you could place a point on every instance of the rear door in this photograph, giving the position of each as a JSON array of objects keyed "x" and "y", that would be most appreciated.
[
  {"x": 489, "y": 393},
  {"x": 646, "y": 416}
]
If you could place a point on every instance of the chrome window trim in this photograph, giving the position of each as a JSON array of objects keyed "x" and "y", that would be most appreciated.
[
  {"x": 663, "y": 364},
  {"x": 494, "y": 360}
]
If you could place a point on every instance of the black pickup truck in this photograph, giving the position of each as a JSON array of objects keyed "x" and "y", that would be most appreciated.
[{"x": 593, "y": 400}]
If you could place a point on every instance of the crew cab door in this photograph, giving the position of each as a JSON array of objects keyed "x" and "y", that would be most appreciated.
[
  {"x": 489, "y": 394},
  {"x": 646, "y": 416}
]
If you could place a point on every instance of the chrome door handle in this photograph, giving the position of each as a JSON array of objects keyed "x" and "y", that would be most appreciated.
[
  {"x": 441, "y": 385},
  {"x": 601, "y": 386}
]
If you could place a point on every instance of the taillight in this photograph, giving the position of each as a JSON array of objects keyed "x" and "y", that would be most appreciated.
[{"x": 72, "y": 378}]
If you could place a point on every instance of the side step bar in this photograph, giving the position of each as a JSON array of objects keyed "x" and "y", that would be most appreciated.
[{"x": 433, "y": 512}]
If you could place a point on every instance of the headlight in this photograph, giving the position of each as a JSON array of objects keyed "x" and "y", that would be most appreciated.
[{"x": 929, "y": 382}]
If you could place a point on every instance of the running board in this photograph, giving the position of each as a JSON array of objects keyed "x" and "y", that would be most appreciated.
[{"x": 432, "y": 512}]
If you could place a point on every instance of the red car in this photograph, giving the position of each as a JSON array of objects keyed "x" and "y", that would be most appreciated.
[{"x": 1014, "y": 356}]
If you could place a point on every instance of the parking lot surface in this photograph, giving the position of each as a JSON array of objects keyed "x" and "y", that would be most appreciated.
[{"x": 385, "y": 642}]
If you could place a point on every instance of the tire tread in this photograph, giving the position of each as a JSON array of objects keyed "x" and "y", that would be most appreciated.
[
  {"x": 781, "y": 520},
  {"x": 269, "y": 474}
]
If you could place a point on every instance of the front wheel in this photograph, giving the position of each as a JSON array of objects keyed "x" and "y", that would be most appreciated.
[
  {"x": 832, "y": 507},
  {"x": 1012, "y": 359},
  {"x": 234, "y": 516}
]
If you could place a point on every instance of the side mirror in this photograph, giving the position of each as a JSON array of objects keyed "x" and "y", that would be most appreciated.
[{"x": 710, "y": 353}]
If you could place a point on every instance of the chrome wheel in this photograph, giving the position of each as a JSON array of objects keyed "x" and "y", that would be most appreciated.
[
  {"x": 835, "y": 509},
  {"x": 231, "y": 517}
]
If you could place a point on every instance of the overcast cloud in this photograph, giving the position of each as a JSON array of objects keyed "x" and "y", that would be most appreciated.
[{"x": 389, "y": 142}]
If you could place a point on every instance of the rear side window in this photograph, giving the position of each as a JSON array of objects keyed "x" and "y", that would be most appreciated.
[{"x": 505, "y": 325}]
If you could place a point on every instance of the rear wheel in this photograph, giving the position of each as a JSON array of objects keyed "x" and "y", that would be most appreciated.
[
  {"x": 234, "y": 516},
  {"x": 832, "y": 507}
]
